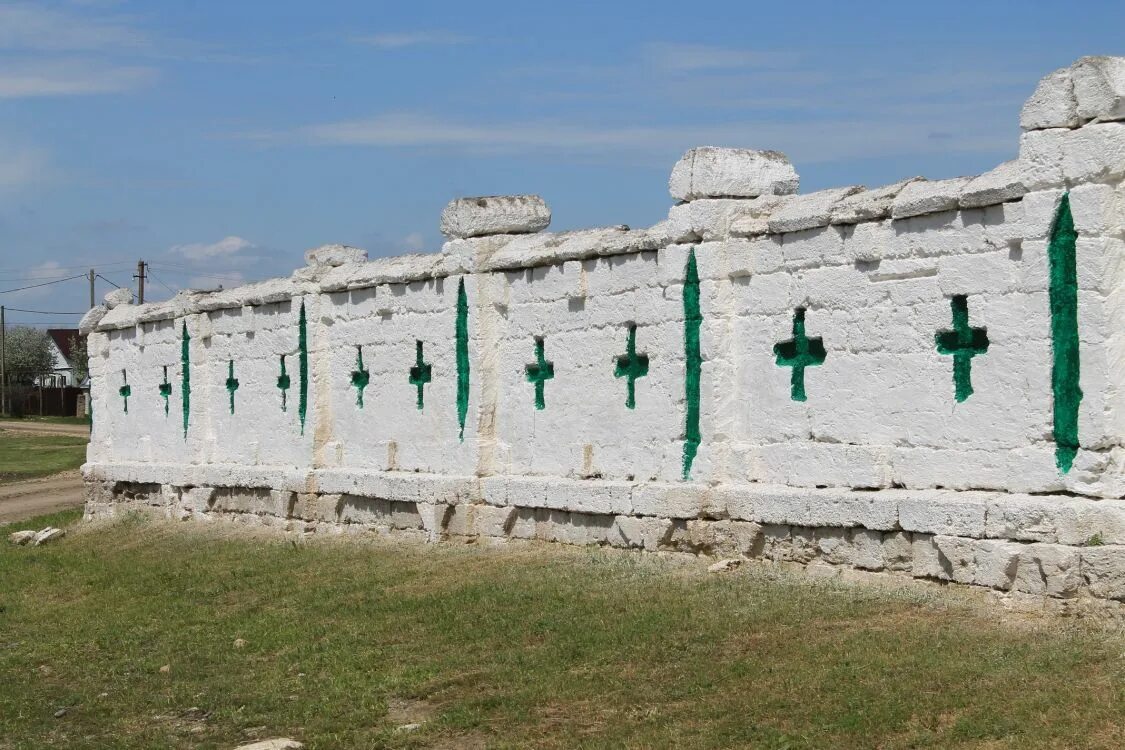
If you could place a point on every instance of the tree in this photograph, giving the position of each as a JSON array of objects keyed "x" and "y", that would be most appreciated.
[
  {"x": 28, "y": 354},
  {"x": 79, "y": 358}
]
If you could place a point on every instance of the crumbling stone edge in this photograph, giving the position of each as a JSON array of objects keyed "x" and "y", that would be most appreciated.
[{"x": 1058, "y": 547}]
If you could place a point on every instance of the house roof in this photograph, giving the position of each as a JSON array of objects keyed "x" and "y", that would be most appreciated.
[{"x": 63, "y": 338}]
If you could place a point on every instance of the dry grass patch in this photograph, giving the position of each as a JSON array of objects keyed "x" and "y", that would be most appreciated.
[{"x": 344, "y": 643}]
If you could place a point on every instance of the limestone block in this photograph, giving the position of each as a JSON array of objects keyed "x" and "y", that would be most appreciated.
[
  {"x": 926, "y": 558},
  {"x": 492, "y": 522},
  {"x": 671, "y": 500},
  {"x": 589, "y": 496},
  {"x": 1099, "y": 87},
  {"x": 712, "y": 172},
  {"x": 494, "y": 214},
  {"x": 198, "y": 499},
  {"x": 927, "y": 197},
  {"x": 529, "y": 250},
  {"x": 753, "y": 218},
  {"x": 1092, "y": 153},
  {"x": 870, "y": 510},
  {"x": 832, "y": 545},
  {"x": 784, "y": 507},
  {"x": 810, "y": 210},
  {"x": 866, "y": 549},
  {"x": 1089, "y": 519},
  {"x": 957, "y": 557},
  {"x": 1052, "y": 105},
  {"x": 1103, "y": 570},
  {"x": 91, "y": 319},
  {"x": 995, "y": 563},
  {"x": 22, "y": 537},
  {"x": 944, "y": 513},
  {"x": 998, "y": 185},
  {"x": 118, "y": 297},
  {"x": 334, "y": 255},
  {"x": 1025, "y": 518},
  {"x": 718, "y": 538},
  {"x": 640, "y": 533},
  {"x": 898, "y": 551},
  {"x": 868, "y": 205},
  {"x": 1048, "y": 569}
]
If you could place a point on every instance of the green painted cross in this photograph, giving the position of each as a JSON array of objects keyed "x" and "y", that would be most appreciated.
[
  {"x": 283, "y": 384},
  {"x": 420, "y": 373},
  {"x": 125, "y": 390},
  {"x": 799, "y": 352},
  {"x": 165, "y": 390},
  {"x": 360, "y": 377},
  {"x": 539, "y": 373},
  {"x": 631, "y": 366},
  {"x": 964, "y": 343},
  {"x": 232, "y": 383}
]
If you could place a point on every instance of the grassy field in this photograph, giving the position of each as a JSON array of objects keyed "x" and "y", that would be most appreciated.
[
  {"x": 134, "y": 630},
  {"x": 23, "y": 455}
]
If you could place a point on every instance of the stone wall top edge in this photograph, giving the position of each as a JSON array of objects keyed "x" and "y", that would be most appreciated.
[{"x": 689, "y": 222}]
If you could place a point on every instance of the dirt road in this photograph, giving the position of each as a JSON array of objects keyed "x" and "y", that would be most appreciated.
[
  {"x": 45, "y": 428},
  {"x": 34, "y": 497}
]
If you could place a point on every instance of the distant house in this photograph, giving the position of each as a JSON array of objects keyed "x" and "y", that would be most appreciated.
[{"x": 62, "y": 345}]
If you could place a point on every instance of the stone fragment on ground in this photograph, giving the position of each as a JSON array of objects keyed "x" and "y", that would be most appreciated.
[
  {"x": 48, "y": 534},
  {"x": 282, "y": 743},
  {"x": 22, "y": 537},
  {"x": 724, "y": 566}
]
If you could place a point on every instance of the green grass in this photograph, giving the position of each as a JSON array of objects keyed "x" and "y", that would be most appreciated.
[
  {"x": 512, "y": 647},
  {"x": 23, "y": 455}
]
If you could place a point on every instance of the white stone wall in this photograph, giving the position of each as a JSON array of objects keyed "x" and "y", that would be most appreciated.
[{"x": 875, "y": 272}]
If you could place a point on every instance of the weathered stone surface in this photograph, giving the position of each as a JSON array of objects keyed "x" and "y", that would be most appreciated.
[
  {"x": 118, "y": 297},
  {"x": 1103, "y": 569},
  {"x": 1052, "y": 105},
  {"x": 334, "y": 255},
  {"x": 1099, "y": 87},
  {"x": 47, "y": 535},
  {"x": 712, "y": 172},
  {"x": 868, "y": 205},
  {"x": 91, "y": 319},
  {"x": 929, "y": 196},
  {"x": 22, "y": 537},
  {"x": 494, "y": 214},
  {"x": 1048, "y": 569},
  {"x": 283, "y": 743},
  {"x": 810, "y": 210},
  {"x": 1004, "y": 183}
]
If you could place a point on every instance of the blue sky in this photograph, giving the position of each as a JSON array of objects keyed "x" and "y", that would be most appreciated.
[{"x": 219, "y": 140}]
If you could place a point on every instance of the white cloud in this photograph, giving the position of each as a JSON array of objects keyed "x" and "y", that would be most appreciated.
[
  {"x": 414, "y": 241},
  {"x": 402, "y": 39},
  {"x": 35, "y": 28},
  {"x": 224, "y": 248},
  {"x": 59, "y": 78},
  {"x": 806, "y": 141}
]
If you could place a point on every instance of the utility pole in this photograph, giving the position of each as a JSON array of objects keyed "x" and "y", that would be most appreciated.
[
  {"x": 140, "y": 277},
  {"x": 3, "y": 365},
  {"x": 90, "y": 277}
]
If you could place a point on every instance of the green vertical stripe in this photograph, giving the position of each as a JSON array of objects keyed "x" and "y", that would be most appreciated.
[
  {"x": 303, "y": 348},
  {"x": 1064, "y": 334},
  {"x": 693, "y": 361},
  {"x": 462, "y": 357},
  {"x": 185, "y": 376}
]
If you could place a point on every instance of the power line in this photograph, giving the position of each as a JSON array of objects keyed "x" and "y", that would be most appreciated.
[
  {"x": 68, "y": 268},
  {"x": 103, "y": 278},
  {"x": 43, "y": 312},
  {"x": 158, "y": 281},
  {"x": 45, "y": 283}
]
